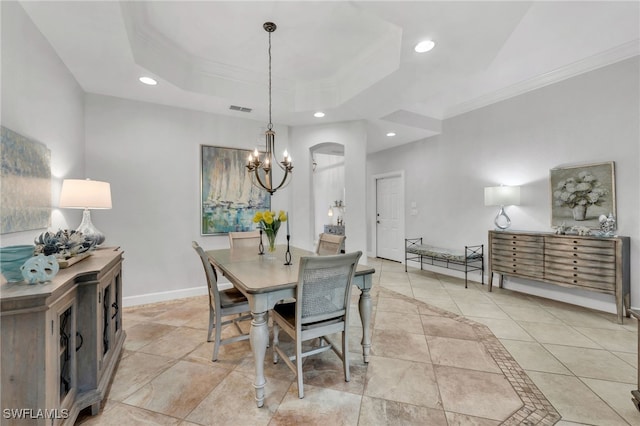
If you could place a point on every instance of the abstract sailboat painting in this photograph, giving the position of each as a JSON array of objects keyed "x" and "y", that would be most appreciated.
[{"x": 228, "y": 198}]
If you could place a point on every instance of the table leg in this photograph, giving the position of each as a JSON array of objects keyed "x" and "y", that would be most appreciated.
[
  {"x": 259, "y": 339},
  {"x": 364, "y": 306}
]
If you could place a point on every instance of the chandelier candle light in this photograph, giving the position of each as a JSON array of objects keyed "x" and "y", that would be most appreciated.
[{"x": 262, "y": 171}]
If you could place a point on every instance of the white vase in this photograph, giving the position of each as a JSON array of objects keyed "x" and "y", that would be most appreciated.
[{"x": 579, "y": 212}]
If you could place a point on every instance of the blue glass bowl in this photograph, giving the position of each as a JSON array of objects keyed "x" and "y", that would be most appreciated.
[{"x": 12, "y": 258}]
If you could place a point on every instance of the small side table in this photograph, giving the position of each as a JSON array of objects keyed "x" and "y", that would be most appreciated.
[{"x": 635, "y": 394}]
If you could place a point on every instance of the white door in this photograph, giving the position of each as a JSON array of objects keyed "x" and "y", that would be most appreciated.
[{"x": 389, "y": 211}]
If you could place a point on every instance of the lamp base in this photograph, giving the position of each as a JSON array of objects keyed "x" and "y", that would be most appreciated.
[
  {"x": 502, "y": 221},
  {"x": 88, "y": 230}
]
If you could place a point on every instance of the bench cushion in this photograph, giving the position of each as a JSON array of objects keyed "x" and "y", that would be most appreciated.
[{"x": 442, "y": 253}]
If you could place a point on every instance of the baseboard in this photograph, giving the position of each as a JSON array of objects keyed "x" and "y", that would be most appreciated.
[{"x": 164, "y": 296}]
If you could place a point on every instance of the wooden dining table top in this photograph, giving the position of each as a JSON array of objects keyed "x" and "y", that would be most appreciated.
[{"x": 255, "y": 273}]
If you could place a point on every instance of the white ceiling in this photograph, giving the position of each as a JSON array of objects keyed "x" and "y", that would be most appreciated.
[{"x": 350, "y": 59}]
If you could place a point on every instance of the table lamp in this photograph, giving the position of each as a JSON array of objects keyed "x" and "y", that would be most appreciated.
[
  {"x": 86, "y": 194},
  {"x": 502, "y": 196}
]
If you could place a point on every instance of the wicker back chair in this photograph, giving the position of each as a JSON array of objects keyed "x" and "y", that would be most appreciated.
[
  {"x": 329, "y": 244},
  {"x": 222, "y": 303},
  {"x": 321, "y": 308},
  {"x": 244, "y": 239}
]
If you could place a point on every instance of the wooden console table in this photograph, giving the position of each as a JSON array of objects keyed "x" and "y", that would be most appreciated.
[
  {"x": 590, "y": 263},
  {"x": 61, "y": 341}
]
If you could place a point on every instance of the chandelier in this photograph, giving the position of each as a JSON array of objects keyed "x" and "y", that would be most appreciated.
[{"x": 262, "y": 170}]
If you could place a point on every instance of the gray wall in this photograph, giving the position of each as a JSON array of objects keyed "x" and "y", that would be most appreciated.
[{"x": 590, "y": 118}]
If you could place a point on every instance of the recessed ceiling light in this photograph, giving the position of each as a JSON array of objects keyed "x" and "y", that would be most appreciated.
[
  {"x": 148, "y": 80},
  {"x": 319, "y": 114},
  {"x": 391, "y": 134},
  {"x": 424, "y": 46}
]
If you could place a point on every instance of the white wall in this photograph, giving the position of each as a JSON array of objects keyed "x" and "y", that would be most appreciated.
[
  {"x": 589, "y": 118},
  {"x": 151, "y": 156},
  {"x": 42, "y": 101}
]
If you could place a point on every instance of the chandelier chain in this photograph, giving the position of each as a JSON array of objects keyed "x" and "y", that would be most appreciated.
[
  {"x": 262, "y": 171},
  {"x": 270, "y": 127}
]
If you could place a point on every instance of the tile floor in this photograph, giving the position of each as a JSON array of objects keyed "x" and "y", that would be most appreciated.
[{"x": 434, "y": 362}]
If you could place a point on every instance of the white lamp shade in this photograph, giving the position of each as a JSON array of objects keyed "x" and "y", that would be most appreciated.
[
  {"x": 502, "y": 196},
  {"x": 85, "y": 194}
]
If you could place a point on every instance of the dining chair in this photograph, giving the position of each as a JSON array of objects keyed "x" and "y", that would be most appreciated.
[
  {"x": 329, "y": 244},
  {"x": 222, "y": 303},
  {"x": 244, "y": 239},
  {"x": 321, "y": 308}
]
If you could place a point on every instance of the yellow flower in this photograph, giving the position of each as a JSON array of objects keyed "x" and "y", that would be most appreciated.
[
  {"x": 258, "y": 217},
  {"x": 282, "y": 217},
  {"x": 267, "y": 217}
]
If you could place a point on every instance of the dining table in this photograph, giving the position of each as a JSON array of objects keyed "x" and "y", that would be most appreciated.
[{"x": 265, "y": 280}]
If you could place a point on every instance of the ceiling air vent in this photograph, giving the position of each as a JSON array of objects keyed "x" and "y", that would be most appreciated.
[{"x": 239, "y": 108}]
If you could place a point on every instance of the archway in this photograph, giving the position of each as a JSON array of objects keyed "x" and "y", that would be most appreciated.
[{"x": 328, "y": 187}]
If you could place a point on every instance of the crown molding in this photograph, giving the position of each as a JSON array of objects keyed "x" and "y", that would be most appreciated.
[{"x": 608, "y": 57}]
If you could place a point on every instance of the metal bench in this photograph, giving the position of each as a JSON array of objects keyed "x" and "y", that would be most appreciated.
[{"x": 471, "y": 259}]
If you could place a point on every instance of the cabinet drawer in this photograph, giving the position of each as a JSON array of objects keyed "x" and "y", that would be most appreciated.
[
  {"x": 500, "y": 236},
  {"x": 533, "y": 250},
  {"x": 509, "y": 244},
  {"x": 582, "y": 261},
  {"x": 589, "y": 282},
  {"x": 566, "y": 250},
  {"x": 580, "y": 271},
  {"x": 570, "y": 256},
  {"x": 580, "y": 242},
  {"x": 525, "y": 270},
  {"x": 519, "y": 258}
]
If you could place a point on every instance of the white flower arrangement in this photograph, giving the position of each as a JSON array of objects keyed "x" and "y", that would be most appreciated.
[{"x": 583, "y": 190}]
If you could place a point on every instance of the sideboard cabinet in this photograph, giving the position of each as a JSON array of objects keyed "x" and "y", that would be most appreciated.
[
  {"x": 61, "y": 341},
  {"x": 590, "y": 263}
]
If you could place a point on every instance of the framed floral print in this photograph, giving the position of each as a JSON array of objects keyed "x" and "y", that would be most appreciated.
[
  {"x": 229, "y": 200},
  {"x": 581, "y": 193}
]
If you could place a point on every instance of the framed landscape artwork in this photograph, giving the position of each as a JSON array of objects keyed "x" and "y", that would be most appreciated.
[
  {"x": 25, "y": 201},
  {"x": 228, "y": 198},
  {"x": 581, "y": 193}
]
